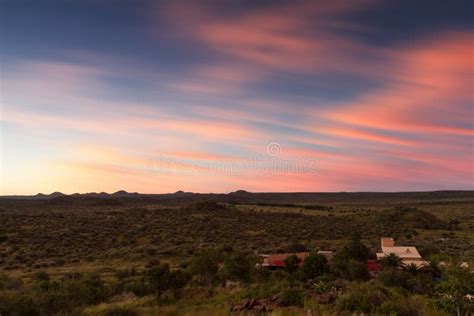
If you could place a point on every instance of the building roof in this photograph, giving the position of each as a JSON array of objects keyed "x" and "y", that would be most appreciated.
[
  {"x": 278, "y": 260},
  {"x": 387, "y": 242},
  {"x": 402, "y": 251}
]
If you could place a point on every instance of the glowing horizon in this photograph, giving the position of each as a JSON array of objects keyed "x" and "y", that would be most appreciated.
[{"x": 377, "y": 94}]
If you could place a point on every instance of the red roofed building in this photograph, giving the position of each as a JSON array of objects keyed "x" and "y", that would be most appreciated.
[
  {"x": 408, "y": 255},
  {"x": 374, "y": 267},
  {"x": 278, "y": 260}
]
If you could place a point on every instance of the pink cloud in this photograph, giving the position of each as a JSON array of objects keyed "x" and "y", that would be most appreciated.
[
  {"x": 430, "y": 84},
  {"x": 300, "y": 37}
]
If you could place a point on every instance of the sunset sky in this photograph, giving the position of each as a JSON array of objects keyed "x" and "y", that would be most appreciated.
[{"x": 156, "y": 97}]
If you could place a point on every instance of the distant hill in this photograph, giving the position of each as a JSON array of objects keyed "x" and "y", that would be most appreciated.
[{"x": 244, "y": 197}]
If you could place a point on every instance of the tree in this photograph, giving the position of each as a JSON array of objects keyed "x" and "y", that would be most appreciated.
[
  {"x": 314, "y": 265},
  {"x": 411, "y": 268},
  {"x": 392, "y": 261},
  {"x": 433, "y": 267},
  {"x": 178, "y": 280},
  {"x": 292, "y": 263},
  {"x": 161, "y": 279},
  {"x": 293, "y": 297},
  {"x": 239, "y": 268},
  {"x": 457, "y": 284},
  {"x": 356, "y": 270},
  {"x": 350, "y": 260},
  {"x": 158, "y": 279},
  {"x": 205, "y": 263},
  {"x": 355, "y": 249}
]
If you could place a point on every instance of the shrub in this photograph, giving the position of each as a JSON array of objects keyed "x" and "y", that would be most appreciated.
[
  {"x": 41, "y": 276},
  {"x": 238, "y": 268},
  {"x": 314, "y": 265},
  {"x": 14, "y": 303},
  {"x": 394, "y": 278},
  {"x": 355, "y": 249},
  {"x": 362, "y": 297},
  {"x": 291, "y": 263},
  {"x": 72, "y": 291},
  {"x": 293, "y": 297},
  {"x": 351, "y": 270},
  {"x": 125, "y": 273},
  {"x": 350, "y": 261},
  {"x": 161, "y": 279},
  {"x": 402, "y": 306},
  {"x": 455, "y": 287},
  {"x": 205, "y": 263}
]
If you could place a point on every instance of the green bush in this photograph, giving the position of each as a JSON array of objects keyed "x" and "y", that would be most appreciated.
[
  {"x": 71, "y": 291},
  {"x": 394, "y": 278},
  {"x": 454, "y": 289},
  {"x": 362, "y": 297},
  {"x": 161, "y": 279},
  {"x": 292, "y": 263},
  {"x": 351, "y": 270},
  {"x": 350, "y": 260},
  {"x": 314, "y": 265},
  {"x": 293, "y": 297},
  {"x": 15, "y": 303},
  {"x": 402, "y": 306},
  {"x": 239, "y": 268},
  {"x": 205, "y": 264}
]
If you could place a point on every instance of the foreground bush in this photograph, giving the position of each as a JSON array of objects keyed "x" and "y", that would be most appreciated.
[
  {"x": 454, "y": 290},
  {"x": 363, "y": 297},
  {"x": 293, "y": 297}
]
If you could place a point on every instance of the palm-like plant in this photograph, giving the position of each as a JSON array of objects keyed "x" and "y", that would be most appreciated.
[
  {"x": 392, "y": 261},
  {"x": 411, "y": 268},
  {"x": 434, "y": 268}
]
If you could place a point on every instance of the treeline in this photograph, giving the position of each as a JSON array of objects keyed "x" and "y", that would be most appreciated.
[{"x": 343, "y": 285}]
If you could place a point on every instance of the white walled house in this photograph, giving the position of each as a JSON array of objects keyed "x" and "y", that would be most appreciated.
[{"x": 408, "y": 254}]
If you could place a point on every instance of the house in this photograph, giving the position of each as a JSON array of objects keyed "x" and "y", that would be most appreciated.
[
  {"x": 407, "y": 254},
  {"x": 278, "y": 260}
]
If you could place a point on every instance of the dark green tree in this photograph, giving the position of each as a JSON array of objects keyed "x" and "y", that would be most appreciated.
[
  {"x": 392, "y": 261},
  {"x": 178, "y": 280},
  {"x": 158, "y": 279},
  {"x": 433, "y": 267},
  {"x": 411, "y": 268},
  {"x": 350, "y": 260},
  {"x": 355, "y": 249},
  {"x": 205, "y": 264},
  {"x": 292, "y": 263},
  {"x": 314, "y": 265},
  {"x": 239, "y": 268}
]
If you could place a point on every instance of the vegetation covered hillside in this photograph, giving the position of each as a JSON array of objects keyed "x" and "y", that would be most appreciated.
[{"x": 186, "y": 253}]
